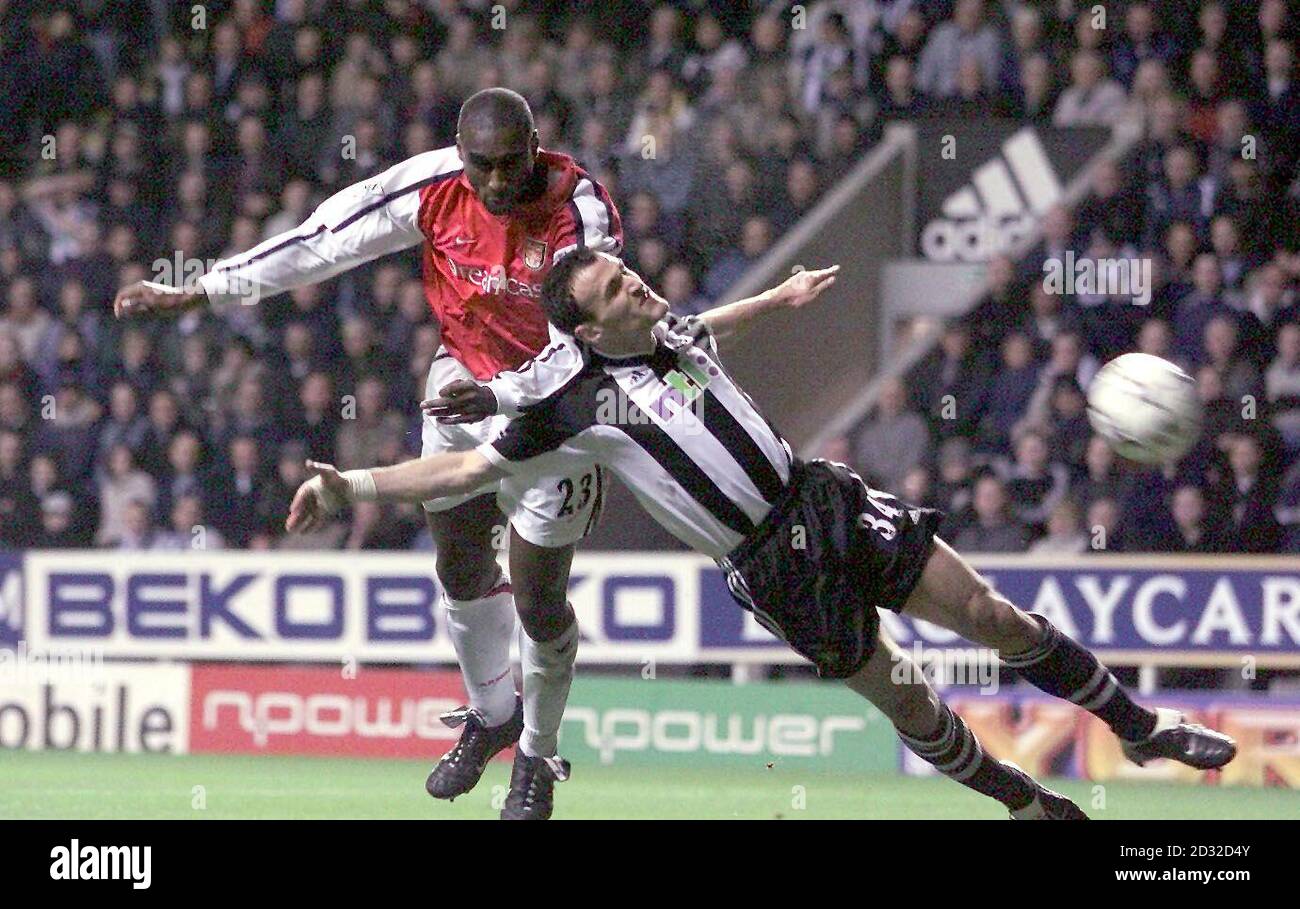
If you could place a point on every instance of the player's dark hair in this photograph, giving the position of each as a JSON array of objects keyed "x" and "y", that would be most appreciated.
[{"x": 559, "y": 304}]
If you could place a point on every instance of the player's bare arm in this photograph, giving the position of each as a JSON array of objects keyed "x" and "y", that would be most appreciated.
[
  {"x": 800, "y": 289},
  {"x": 463, "y": 401},
  {"x": 330, "y": 490}
]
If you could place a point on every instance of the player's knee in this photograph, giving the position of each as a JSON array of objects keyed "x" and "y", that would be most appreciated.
[
  {"x": 540, "y": 579},
  {"x": 467, "y": 578},
  {"x": 995, "y": 622},
  {"x": 539, "y": 598},
  {"x": 544, "y": 615}
]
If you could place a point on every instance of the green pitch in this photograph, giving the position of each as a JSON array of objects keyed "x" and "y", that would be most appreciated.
[{"x": 57, "y": 785}]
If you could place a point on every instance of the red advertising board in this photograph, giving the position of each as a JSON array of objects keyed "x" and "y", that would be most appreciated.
[{"x": 320, "y": 711}]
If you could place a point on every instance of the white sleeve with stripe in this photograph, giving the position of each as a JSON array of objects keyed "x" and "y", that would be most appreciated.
[
  {"x": 540, "y": 377},
  {"x": 363, "y": 222},
  {"x": 596, "y": 223}
]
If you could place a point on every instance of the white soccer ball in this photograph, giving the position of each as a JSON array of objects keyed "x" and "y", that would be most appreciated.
[{"x": 1146, "y": 408}]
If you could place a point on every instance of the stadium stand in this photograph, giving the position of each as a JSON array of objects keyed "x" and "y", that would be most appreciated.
[{"x": 175, "y": 142}]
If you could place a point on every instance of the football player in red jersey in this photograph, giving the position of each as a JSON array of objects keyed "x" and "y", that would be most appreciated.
[{"x": 492, "y": 214}]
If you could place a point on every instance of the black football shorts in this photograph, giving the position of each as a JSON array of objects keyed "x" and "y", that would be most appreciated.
[{"x": 830, "y": 552}]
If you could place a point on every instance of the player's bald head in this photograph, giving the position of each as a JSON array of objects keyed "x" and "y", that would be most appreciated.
[
  {"x": 498, "y": 146},
  {"x": 496, "y": 110}
]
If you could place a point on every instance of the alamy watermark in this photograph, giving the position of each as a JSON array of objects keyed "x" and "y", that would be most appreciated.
[
  {"x": 945, "y": 666},
  {"x": 183, "y": 272},
  {"x": 24, "y": 664},
  {"x": 679, "y": 404},
  {"x": 1128, "y": 277}
]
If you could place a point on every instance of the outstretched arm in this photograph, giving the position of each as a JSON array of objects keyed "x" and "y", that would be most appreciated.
[
  {"x": 464, "y": 401},
  {"x": 367, "y": 220},
  {"x": 797, "y": 290},
  {"x": 434, "y": 477}
]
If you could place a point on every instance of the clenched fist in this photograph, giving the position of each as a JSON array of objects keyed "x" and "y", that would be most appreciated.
[
  {"x": 461, "y": 401},
  {"x": 318, "y": 499},
  {"x": 147, "y": 297}
]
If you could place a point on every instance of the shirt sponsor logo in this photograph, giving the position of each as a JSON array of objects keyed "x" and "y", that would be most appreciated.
[{"x": 493, "y": 280}]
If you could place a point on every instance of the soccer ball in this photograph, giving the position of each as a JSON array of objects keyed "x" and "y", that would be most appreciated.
[{"x": 1146, "y": 408}]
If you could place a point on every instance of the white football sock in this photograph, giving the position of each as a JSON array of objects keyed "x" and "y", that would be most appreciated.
[
  {"x": 548, "y": 672},
  {"x": 480, "y": 631},
  {"x": 1166, "y": 718}
]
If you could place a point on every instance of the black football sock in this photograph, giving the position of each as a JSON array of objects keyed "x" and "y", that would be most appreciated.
[
  {"x": 957, "y": 754},
  {"x": 1062, "y": 667}
]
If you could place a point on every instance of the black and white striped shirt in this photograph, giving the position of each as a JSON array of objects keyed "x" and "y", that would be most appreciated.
[{"x": 688, "y": 442}]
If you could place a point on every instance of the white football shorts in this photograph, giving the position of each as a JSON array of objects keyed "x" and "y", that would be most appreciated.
[{"x": 547, "y": 509}]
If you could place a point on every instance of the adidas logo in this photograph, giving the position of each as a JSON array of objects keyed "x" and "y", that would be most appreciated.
[{"x": 998, "y": 207}]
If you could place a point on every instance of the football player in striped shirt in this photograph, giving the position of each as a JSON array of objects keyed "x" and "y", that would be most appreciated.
[{"x": 646, "y": 395}]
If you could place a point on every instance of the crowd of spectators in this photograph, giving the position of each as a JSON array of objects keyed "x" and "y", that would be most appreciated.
[
  {"x": 1207, "y": 199},
  {"x": 148, "y": 139}
]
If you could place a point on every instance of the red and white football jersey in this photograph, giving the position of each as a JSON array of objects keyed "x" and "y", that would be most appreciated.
[{"x": 483, "y": 273}]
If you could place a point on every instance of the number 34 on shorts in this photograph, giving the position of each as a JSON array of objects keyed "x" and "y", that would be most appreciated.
[{"x": 885, "y": 526}]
